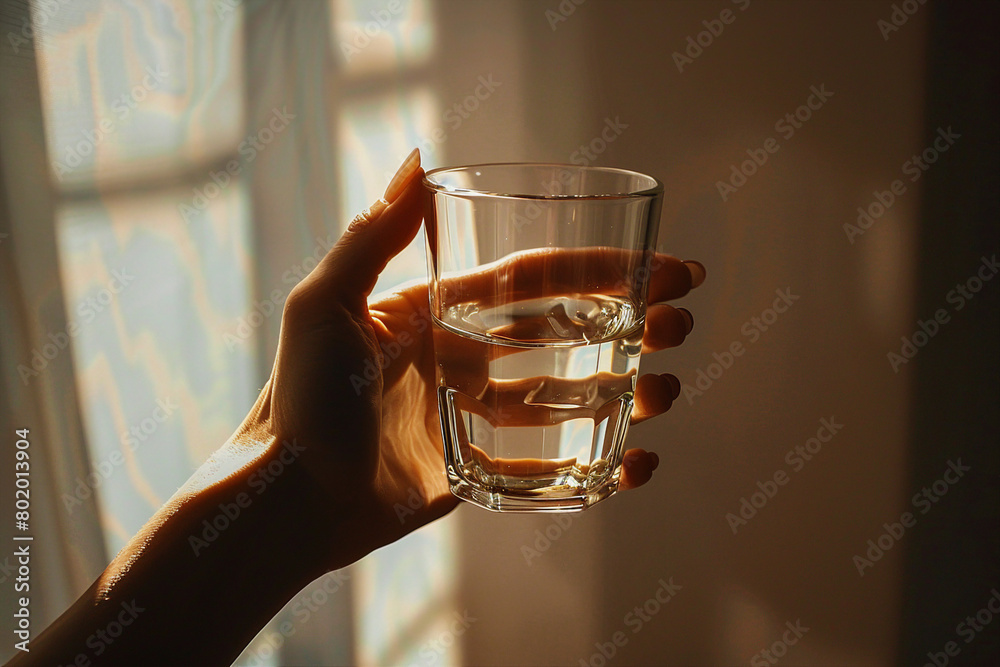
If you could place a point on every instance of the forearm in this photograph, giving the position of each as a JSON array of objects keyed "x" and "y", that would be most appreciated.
[{"x": 202, "y": 577}]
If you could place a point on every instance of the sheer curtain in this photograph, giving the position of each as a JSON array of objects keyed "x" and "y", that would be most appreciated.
[{"x": 198, "y": 158}]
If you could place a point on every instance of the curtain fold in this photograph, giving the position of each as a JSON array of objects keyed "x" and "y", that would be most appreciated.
[{"x": 39, "y": 391}]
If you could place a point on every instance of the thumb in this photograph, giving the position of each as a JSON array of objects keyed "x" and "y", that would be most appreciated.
[{"x": 351, "y": 268}]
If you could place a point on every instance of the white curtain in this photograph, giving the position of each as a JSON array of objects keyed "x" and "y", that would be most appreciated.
[{"x": 171, "y": 169}]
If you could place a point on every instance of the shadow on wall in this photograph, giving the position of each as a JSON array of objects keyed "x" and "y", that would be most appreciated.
[{"x": 951, "y": 603}]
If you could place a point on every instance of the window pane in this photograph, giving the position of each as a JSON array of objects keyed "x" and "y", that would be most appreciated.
[
  {"x": 376, "y": 36},
  {"x": 133, "y": 91},
  {"x": 150, "y": 299},
  {"x": 406, "y": 601},
  {"x": 376, "y": 134},
  {"x": 404, "y": 594}
]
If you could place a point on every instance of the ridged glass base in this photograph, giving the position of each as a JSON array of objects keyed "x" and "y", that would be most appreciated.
[{"x": 552, "y": 500}]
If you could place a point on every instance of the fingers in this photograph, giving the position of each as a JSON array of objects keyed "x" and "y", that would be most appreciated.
[
  {"x": 351, "y": 268},
  {"x": 637, "y": 468},
  {"x": 536, "y": 401},
  {"x": 698, "y": 272},
  {"x": 654, "y": 394},
  {"x": 546, "y": 272},
  {"x": 666, "y": 326},
  {"x": 546, "y": 401},
  {"x": 669, "y": 278}
]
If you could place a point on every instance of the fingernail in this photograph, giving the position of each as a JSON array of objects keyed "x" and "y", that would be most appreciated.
[
  {"x": 403, "y": 176},
  {"x": 629, "y": 459},
  {"x": 697, "y": 271},
  {"x": 688, "y": 319},
  {"x": 675, "y": 385},
  {"x": 656, "y": 460}
]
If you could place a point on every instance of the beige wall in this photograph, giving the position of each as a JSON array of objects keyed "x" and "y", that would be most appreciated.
[
  {"x": 544, "y": 601},
  {"x": 823, "y": 358}
]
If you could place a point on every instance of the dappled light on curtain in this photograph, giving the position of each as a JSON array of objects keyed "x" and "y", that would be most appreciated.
[
  {"x": 139, "y": 102},
  {"x": 376, "y": 133},
  {"x": 404, "y": 593},
  {"x": 145, "y": 108}
]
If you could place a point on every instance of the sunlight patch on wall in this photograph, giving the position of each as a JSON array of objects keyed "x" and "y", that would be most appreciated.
[{"x": 372, "y": 36}]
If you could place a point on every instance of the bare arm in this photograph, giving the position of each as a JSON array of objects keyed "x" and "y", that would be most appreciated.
[
  {"x": 314, "y": 477},
  {"x": 209, "y": 570}
]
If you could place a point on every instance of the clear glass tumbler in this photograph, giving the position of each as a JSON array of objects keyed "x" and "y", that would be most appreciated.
[{"x": 538, "y": 282}]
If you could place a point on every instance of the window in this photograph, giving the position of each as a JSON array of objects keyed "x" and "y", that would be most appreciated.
[{"x": 177, "y": 133}]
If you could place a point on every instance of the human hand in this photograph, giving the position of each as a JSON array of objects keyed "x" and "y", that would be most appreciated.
[
  {"x": 344, "y": 438},
  {"x": 354, "y": 382}
]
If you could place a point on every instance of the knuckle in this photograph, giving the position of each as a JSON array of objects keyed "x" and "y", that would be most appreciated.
[{"x": 298, "y": 301}]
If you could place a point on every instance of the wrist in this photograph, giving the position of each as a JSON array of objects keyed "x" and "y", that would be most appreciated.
[{"x": 292, "y": 517}]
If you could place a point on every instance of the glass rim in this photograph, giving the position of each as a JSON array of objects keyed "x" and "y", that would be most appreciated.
[{"x": 430, "y": 184}]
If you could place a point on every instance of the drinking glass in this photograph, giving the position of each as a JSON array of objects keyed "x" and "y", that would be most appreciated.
[{"x": 538, "y": 275}]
